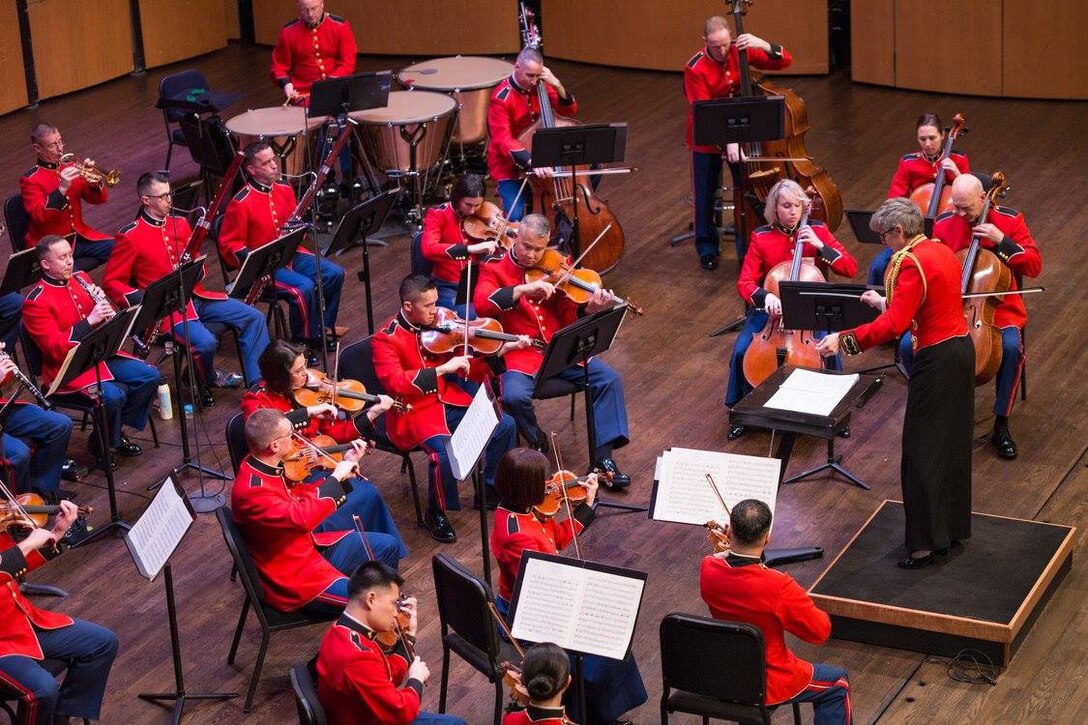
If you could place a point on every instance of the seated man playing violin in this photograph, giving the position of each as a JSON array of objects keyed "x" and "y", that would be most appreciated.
[
  {"x": 304, "y": 562},
  {"x": 536, "y": 310},
  {"x": 439, "y": 387},
  {"x": 285, "y": 379}
]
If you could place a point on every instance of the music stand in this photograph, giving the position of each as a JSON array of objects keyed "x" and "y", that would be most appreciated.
[
  {"x": 209, "y": 145},
  {"x": 98, "y": 346},
  {"x": 22, "y": 271},
  {"x": 859, "y": 225},
  {"x": 577, "y": 343},
  {"x": 264, "y": 261},
  {"x": 338, "y": 97},
  {"x": 572, "y": 146}
]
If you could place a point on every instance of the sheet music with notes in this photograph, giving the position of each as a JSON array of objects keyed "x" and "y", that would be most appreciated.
[
  {"x": 153, "y": 538},
  {"x": 467, "y": 443},
  {"x": 682, "y": 493},
  {"x": 812, "y": 392},
  {"x": 579, "y": 605}
]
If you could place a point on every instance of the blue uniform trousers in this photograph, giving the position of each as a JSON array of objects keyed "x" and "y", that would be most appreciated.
[
  {"x": 90, "y": 255},
  {"x": 829, "y": 693},
  {"x": 37, "y": 466},
  {"x": 297, "y": 284},
  {"x": 247, "y": 322},
  {"x": 706, "y": 181},
  {"x": 11, "y": 314},
  {"x": 508, "y": 191},
  {"x": 878, "y": 267},
  {"x": 447, "y": 297},
  {"x": 128, "y": 396}
]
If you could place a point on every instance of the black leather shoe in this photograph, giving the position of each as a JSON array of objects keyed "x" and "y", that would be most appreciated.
[
  {"x": 128, "y": 449},
  {"x": 917, "y": 562},
  {"x": 735, "y": 432},
  {"x": 491, "y": 499},
  {"x": 708, "y": 261},
  {"x": 1003, "y": 442},
  {"x": 439, "y": 527},
  {"x": 71, "y": 471},
  {"x": 844, "y": 433},
  {"x": 610, "y": 474}
]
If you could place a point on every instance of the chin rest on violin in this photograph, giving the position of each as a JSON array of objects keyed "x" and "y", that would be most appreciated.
[
  {"x": 487, "y": 224},
  {"x": 350, "y": 395},
  {"x": 447, "y": 334}
]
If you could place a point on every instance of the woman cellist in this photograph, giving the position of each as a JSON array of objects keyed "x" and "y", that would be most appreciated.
[{"x": 769, "y": 246}]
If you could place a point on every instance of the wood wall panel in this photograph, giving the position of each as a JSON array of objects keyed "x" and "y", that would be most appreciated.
[
  {"x": 663, "y": 36},
  {"x": 234, "y": 26},
  {"x": 13, "y": 89},
  {"x": 1045, "y": 53},
  {"x": 872, "y": 53},
  {"x": 174, "y": 30},
  {"x": 927, "y": 33},
  {"x": 79, "y": 43}
]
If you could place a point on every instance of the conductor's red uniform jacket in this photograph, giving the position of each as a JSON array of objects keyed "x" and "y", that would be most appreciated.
[
  {"x": 739, "y": 591},
  {"x": 539, "y": 319},
  {"x": 512, "y": 110},
  {"x": 923, "y": 294},
  {"x": 304, "y": 53},
  {"x": 254, "y": 217},
  {"x": 19, "y": 615},
  {"x": 443, "y": 244},
  {"x": 277, "y": 521},
  {"x": 358, "y": 682},
  {"x": 915, "y": 169},
  {"x": 52, "y": 212},
  {"x": 1017, "y": 250},
  {"x": 706, "y": 79},
  {"x": 341, "y": 430},
  {"x": 407, "y": 372},
  {"x": 771, "y": 245},
  {"x": 516, "y": 531}
]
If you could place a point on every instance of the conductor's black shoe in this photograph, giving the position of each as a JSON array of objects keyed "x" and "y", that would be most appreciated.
[
  {"x": 491, "y": 499},
  {"x": 844, "y": 433},
  {"x": 917, "y": 562},
  {"x": 439, "y": 527},
  {"x": 735, "y": 432},
  {"x": 1003, "y": 442},
  {"x": 128, "y": 449},
  {"x": 610, "y": 474},
  {"x": 708, "y": 261}
]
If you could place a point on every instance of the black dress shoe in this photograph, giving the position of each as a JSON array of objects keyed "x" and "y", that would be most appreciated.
[
  {"x": 610, "y": 474},
  {"x": 917, "y": 562},
  {"x": 735, "y": 432},
  {"x": 71, "y": 471},
  {"x": 1003, "y": 442},
  {"x": 439, "y": 527},
  {"x": 708, "y": 261},
  {"x": 844, "y": 433},
  {"x": 128, "y": 449},
  {"x": 491, "y": 499}
]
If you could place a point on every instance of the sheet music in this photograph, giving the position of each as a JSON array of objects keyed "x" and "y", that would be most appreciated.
[
  {"x": 808, "y": 391},
  {"x": 579, "y": 609},
  {"x": 153, "y": 538},
  {"x": 684, "y": 495},
  {"x": 467, "y": 443}
]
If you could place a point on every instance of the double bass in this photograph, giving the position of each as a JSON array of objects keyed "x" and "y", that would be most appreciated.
[{"x": 936, "y": 197}]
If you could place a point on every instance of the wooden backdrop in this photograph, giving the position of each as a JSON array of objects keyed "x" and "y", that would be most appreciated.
[
  {"x": 13, "y": 89},
  {"x": 79, "y": 43},
  {"x": 174, "y": 30}
]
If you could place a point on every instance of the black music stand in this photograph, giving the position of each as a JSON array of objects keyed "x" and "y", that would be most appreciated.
[
  {"x": 22, "y": 271},
  {"x": 577, "y": 343},
  {"x": 264, "y": 261},
  {"x": 210, "y": 147},
  {"x": 337, "y": 97},
  {"x": 859, "y": 225},
  {"x": 99, "y": 345},
  {"x": 572, "y": 146}
]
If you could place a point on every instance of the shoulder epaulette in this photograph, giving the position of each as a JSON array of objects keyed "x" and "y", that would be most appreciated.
[
  {"x": 336, "y": 18},
  {"x": 764, "y": 228},
  {"x": 242, "y": 194},
  {"x": 35, "y": 292},
  {"x": 291, "y": 22},
  {"x": 945, "y": 215},
  {"x": 391, "y": 327},
  {"x": 513, "y": 525},
  {"x": 33, "y": 170},
  {"x": 911, "y": 155},
  {"x": 503, "y": 93},
  {"x": 695, "y": 59},
  {"x": 128, "y": 227},
  {"x": 1006, "y": 211}
]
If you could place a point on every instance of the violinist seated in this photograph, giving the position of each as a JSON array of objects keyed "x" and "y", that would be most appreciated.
[
  {"x": 446, "y": 244},
  {"x": 59, "y": 312},
  {"x": 917, "y": 169},
  {"x": 367, "y": 669},
  {"x": 151, "y": 248},
  {"x": 738, "y": 587},
  {"x": 538, "y": 310},
  {"x": 771, "y": 245},
  {"x": 613, "y": 687},
  {"x": 255, "y": 216},
  {"x": 545, "y": 675},
  {"x": 283, "y": 377},
  {"x": 30, "y": 635},
  {"x": 1004, "y": 233},
  {"x": 514, "y": 107},
  {"x": 303, "y": 562},
  {"x": 714, "y": 72},
  {"x": 438, "y": 387},
  {"x": 53, "y": 193}
]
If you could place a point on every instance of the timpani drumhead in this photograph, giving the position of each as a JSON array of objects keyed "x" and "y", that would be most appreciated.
[
  {"x": 469, "y": 79},
  {"x": 279, "y": 126},
  {"x": 424, "y": 116}
]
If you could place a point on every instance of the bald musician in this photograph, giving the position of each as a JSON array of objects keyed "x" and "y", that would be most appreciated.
[{"x": 312, "y": 47}]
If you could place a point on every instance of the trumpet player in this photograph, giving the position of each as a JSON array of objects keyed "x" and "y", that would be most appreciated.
[
  {"x": 53, "y": 193},
  {"x": 62, "y": 309}
]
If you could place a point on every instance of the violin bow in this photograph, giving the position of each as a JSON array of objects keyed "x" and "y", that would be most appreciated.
[
  {"x": 16, "y": 506},
  {"x": 468, "y": 301},
  {"x": 566, "y": 499},
  {"x": 506, "y": 629},
  {"x": 336, "y": 372},
  {"x": 583, "y": 255},
  {"x": 401, "y": 635},
  {"x": 714, "y": 488}
]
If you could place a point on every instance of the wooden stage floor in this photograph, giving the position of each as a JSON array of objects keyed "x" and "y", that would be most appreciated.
[{"x": 674, "y": 378}]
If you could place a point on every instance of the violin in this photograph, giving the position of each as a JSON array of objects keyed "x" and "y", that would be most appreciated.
[
  {"x": 348, "y": 395},
  {"x": 562, "y": 486},
  {"x": 29, "y": 510},
  {"x": 718, "y": 536},
  {"x": 511, "y": 677},
  {"x": 402, "y": 620},
  {"x": 578, "y": 284},
  {"x": 485, "y": 334},
  {"x": 935, "y": 197},
  {"x": 298, "y": 465},
  {"x": 487, "y": 224}
]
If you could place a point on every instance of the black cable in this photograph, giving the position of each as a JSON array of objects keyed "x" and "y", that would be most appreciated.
[{"x": 971, "y": 666}]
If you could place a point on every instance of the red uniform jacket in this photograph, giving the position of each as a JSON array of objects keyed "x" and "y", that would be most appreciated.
[
  {"x": 915, "y": 169},
  {"x": 539, "y": 319},
  {"x": 54, "y": 213},
  {"x": 513, "y": 109},
  {"x": 770, "y": 245},
  {"x": 254, "y": 217},
  {"x": 534, "y": 715},
  {"x": 407, "y": 372},
  {"x": 515, "y": 532},
  {"x": 357, "y": 682},
  {"x": 773, "y": 602},
  {"x": 1017, "y": 250},
  {"x": 305, "y": 54},
  {"x": 443, "y": 243},
  {"x": 923, "y": 292},
  {"x": 278, "y": 522},
  {"x": 55, "y": 316},
  {"x": 706, "y": 79},
  {"x": 18, "y": 614},
  {"x": 342, "y": 431}
]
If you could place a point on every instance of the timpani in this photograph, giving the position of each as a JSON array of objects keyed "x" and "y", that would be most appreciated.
[
  {"x": 469, "y": 80},
  {"x": 280, "y": 126}
]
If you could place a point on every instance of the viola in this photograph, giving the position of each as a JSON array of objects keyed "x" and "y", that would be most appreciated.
[
  {"x": 402, "y": 619},
  {"x": 485, "y": 334},
  {"x": 487, "y": 224},
  {"x": 578, "y": 284},
  {"x": 562, "y": 486},
  {"x": 935, "y": 197},
  {"x": 30, "y": 511},
  {"x": 298, "y": 465},
  {"x": 348, "y": 395}
]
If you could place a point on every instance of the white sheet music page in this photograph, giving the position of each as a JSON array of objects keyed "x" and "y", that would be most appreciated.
[
  {"x": 812, "y": 392},
  {"x": 153, "y": 538},
  {"x": 684, "y": 495},
  {"x": 473, "y": 432}
]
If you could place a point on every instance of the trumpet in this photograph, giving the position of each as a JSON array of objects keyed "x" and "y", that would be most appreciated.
[{"x": 92, "y": 173}]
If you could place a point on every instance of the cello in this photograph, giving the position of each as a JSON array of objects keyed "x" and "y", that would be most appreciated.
[
  {"x": 936, "y": 197},
  {"x": 769, "y": 161}
]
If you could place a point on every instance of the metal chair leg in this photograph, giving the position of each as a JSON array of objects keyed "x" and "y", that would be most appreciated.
[
  {"x": 445, "y": 678},
  {"x": 415, "y": 488},
  {"x": 257, "y": 667},
  {"x": 238, "y": 632}
]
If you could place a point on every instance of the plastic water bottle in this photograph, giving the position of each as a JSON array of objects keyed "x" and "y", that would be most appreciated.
[
  {"x": 166, "y": 407},
  {"x": 188, "y": 413}
]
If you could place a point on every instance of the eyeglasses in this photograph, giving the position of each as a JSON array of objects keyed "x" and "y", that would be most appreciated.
[
  {"x": 886, "y": 232},
  {"x": 58, "y": 144},
  {"x": 161, "y": 197}
]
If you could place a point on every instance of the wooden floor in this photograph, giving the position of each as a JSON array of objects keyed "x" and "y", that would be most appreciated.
[{"x": 674, "y": 379}]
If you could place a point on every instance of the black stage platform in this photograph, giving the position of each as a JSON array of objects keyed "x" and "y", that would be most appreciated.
[{"x": 984, "y": 595}]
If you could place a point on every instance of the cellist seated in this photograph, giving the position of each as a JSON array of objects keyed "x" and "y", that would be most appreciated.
[{"x": 769, "y": 246}]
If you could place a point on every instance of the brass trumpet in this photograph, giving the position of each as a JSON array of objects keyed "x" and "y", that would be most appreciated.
[{"x": 92, "y": 173}]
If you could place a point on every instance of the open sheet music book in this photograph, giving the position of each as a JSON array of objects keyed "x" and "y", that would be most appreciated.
[
  {"x": 467, "y": 443},
  {"x": 160, "y": 528},
  {"x": 683, "y": 495},
  {"x": 812, "y": 392},
  {"x": 582, "y": 606}
]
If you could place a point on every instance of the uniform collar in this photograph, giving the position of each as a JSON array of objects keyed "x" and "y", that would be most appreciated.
[
  {"x": 261, "y": 187},
  {"x": 403, "y": 322},
  {"x": 319, "y": 21},
  {"x": 786, "y": 230},
  {"x": 53, "y": 281},
  {"x": 517, "y": 87},
  {"x": 535, "y": 713},
  {"x": 346, "y": 620},
  {"x": 47, "y": 165},
  {"x": 152, "y": 220},
  {"x": 743, "y": 559},
  {"x": 264, "y": 468}
]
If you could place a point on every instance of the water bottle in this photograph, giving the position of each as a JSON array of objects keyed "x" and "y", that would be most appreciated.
[{"x": 166, "y": 408}]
